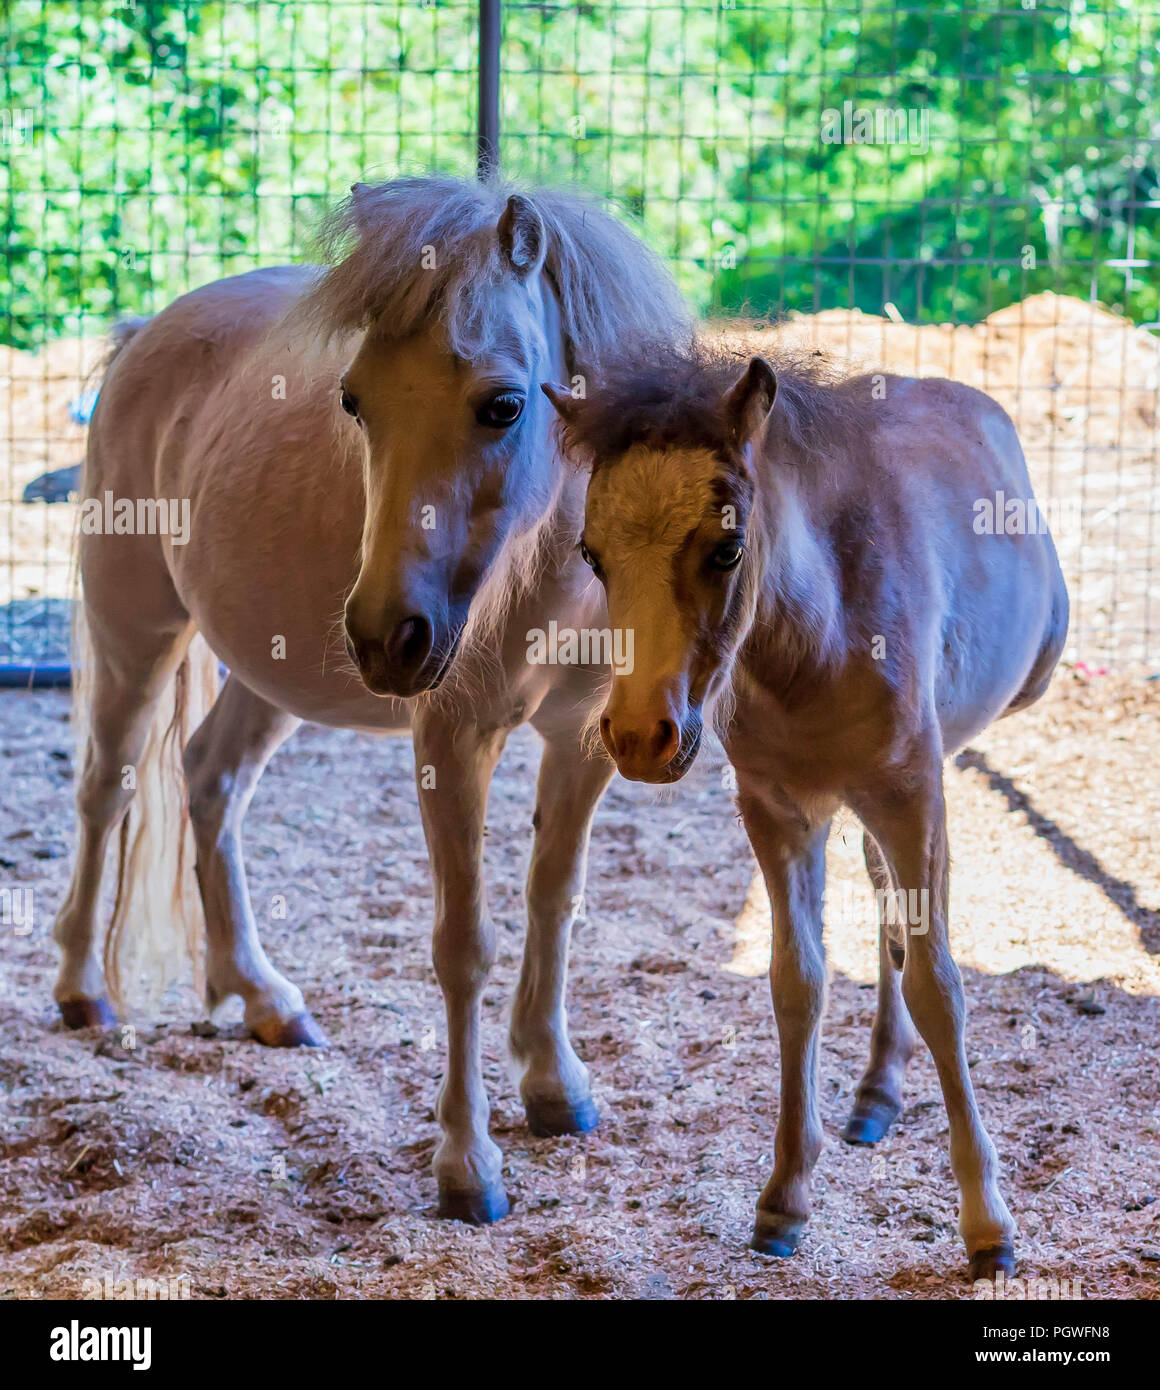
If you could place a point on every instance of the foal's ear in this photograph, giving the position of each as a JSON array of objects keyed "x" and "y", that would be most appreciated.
[
  {"x": 521, "y": 236},
  {"x": 565, "y": 402},
  {"x": 360, "y": 200},
  {"x": 748, "y": 402}
]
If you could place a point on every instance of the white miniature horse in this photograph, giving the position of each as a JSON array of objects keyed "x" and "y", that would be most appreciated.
[
  {"x": 821, "y": 566},
  {"x": 439, "y": 509}
]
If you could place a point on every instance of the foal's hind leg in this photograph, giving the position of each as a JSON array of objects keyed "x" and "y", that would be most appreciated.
[
  {"x": 792, "y": 856},
  {"x": 555, "y": 1081},
  {"x": 130, "y": 669},
  {"x": 878, "y": 1101},
  {"x": 223, "y": 762},
  {"x": 911, "y": 828}
]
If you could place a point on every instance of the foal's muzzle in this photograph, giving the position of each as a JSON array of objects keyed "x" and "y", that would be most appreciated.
[
  {"x": 407, "y": 661},
  {"x": 653, "y": 750}
]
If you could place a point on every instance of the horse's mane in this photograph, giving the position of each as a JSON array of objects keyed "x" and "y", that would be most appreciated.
[
  {"x": 410, "y": 250},
  {"x": 671, "y": 398}
]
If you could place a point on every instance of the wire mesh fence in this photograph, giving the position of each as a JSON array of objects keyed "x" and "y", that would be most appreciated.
[{"x": 968, "y": 189}]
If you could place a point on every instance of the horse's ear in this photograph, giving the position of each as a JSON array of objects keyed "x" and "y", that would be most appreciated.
[
  {"x": 563, "y": 399},
  {"x": 521, "y": 236},
  {"x": 749, "y": 400}
]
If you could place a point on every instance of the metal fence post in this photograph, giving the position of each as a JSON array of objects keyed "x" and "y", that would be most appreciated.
[{"x": 487, "y": 144}]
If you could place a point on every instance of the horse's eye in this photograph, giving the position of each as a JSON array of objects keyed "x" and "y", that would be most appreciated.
[
  {"x": 501, "y": 411},
  {"x": 728, "y": 555},
  {"x": 348, "y": 403}
]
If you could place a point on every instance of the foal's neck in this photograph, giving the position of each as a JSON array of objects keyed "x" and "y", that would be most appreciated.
[{"x": 797, "y": 616}]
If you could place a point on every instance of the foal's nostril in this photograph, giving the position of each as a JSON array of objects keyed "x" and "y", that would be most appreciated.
[{"x": 410, "y": 643}]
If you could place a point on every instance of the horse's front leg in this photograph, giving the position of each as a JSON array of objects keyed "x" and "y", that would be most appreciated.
[
  {"x": 554, "y": 1085},
  {"x": 910, "y": 826},
  {"x": 454, "y": 764},
  {"x": 792, "y": 856}
]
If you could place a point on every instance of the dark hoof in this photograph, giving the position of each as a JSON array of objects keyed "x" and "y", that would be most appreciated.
[
  {"x": 298, "y": 1031},
  {"x": 985, "y": 1264},
  {"x": 551, "y": 1117},
  {"x": 869, "y": 1121},
  {"x": 87, "y": 1013},
  {"x": 476, "y": 1208},
  {"x": 775, "y": 1235}
]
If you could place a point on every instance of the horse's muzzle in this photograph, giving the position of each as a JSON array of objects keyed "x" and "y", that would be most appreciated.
[{"x": 407, "y": 663}]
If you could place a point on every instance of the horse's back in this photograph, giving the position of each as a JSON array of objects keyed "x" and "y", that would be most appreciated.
[{"x": 173, "y": 358}]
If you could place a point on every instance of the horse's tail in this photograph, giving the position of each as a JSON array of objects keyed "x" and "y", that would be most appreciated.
[
  {"x": 157, "y": 925},
  {"x": 157, "y": 922}
]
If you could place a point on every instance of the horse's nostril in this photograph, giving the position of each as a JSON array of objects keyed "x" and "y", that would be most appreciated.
[
  {"x": 352, "y": 649},
  {"x": 606, "y": 736},
  {"x": 666, "y": 740},
  {"x": 410, "y": 643}
]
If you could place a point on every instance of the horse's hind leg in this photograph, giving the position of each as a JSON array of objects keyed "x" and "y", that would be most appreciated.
[
  {"x": 555, "y": 1081},
  {"x": 223, "y": 762},
  {"x": 130, "y": 670},
  {"x": 878, "y": 1100}
]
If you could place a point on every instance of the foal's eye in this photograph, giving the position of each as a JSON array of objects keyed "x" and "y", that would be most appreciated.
[
  {"x": 727, "y": 555},
  {"x": 501, "y": 411},
  {"x": 348, "y": 403},
  {"x": 590, "y": 560}
]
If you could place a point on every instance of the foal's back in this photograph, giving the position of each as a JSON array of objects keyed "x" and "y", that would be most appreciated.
[{"x": 968, "y": 604}]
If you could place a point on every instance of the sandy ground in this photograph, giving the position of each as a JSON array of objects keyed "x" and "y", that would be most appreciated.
[{"x": 306, "y": 1174}]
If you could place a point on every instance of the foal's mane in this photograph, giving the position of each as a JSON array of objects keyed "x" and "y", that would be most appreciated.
[
  {"x": 671, "y": 398},
  {"x": 380, "y": 244}
]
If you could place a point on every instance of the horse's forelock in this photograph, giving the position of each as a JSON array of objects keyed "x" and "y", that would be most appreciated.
[{"x": 414, "y": 251}]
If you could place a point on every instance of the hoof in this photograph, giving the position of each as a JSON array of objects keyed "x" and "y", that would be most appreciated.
[
  {"x": 476, "y": 1208},
  {"x": 300, "y": 1030},
  {"x": 869, "y": 1121},
  {"x": 985, "y": 1264},
  {"x": 776, "y": 1235},
  {"x": 87, "y": 1013},
  {"x": 552, "y": 1117}
]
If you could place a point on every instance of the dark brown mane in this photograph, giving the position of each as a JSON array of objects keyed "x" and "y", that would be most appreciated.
[{"x": 672, "y": 399}]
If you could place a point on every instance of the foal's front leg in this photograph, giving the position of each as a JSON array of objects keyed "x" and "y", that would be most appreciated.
[
  {"x": 792, "y": 856},
  {"x": 554, "y": 1085},
  {"x": 453, "y": 766},
  {"x": 878, "y": 1101},
  {"x": 911, "y": 828}
]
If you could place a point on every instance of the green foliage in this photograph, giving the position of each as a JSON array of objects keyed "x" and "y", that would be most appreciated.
[{"x": 173, "y": 141}]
